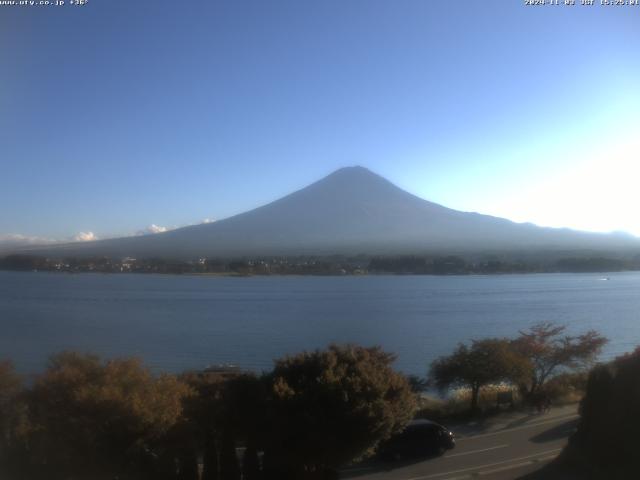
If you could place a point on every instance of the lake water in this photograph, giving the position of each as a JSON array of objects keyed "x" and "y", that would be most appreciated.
[{"x": 181, "y": 322}]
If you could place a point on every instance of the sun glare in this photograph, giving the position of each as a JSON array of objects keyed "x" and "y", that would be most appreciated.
[{"x": 599, "y": 193}]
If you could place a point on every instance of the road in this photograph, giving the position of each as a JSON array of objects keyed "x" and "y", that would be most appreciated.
[{"x": 503, "y": 448}]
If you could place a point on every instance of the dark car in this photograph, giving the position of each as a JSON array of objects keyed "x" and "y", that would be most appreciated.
[{"x": 420, "y": 438}]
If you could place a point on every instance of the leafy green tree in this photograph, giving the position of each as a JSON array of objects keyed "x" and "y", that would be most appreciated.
[
  {"x": 94, "y": 419},
  {"x": 486, "y": 361},
  {"x": 331, "y": 406},
  {"x": 549, "y": 352}
]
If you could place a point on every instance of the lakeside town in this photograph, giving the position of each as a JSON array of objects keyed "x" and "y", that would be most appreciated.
[{"x": 324, "y": 265}]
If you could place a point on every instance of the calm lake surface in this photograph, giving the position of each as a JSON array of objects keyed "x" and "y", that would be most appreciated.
[{"x": 181, "y": 322}]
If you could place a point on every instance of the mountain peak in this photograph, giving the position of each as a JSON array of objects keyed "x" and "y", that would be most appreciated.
[
  {"x": 355, "y": 175},
  {"x": 354, "y": 168},
  {"x": 352, "y": 210},
  {"x": 353, "y": 183},
  {"x": 353, "y": 171}
]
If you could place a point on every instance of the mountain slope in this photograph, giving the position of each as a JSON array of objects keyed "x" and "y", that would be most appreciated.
[{"x": 350, "y": 211}]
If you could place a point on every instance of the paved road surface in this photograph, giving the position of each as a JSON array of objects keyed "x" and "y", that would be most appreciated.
[{"x": 505, "y": 447}]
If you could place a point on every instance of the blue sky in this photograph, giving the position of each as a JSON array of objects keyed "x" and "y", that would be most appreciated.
[{"x": 119, "y": 115}]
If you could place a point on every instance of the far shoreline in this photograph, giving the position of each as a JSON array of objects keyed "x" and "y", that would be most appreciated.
[
  {"x": 604, "y": 273},
  {"x": 338, "y": 265}
]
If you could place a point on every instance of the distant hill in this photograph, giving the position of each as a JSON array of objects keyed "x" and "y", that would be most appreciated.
[{"x": 351, "y": 211}]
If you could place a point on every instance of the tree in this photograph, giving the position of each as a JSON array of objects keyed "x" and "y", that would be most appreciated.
[
  {"x": 182, "y": 445},
  {"x": 94, "y": 419},
  {"x": 250, "y": 463},
  {"x": 11, "y": 417},
  {"x": 210, "y": 459},
  {"x": 225, "y": 409},
  {"x": 204, "y": 413},
  {"x": 244, "y": 420},
  {"x": 549, "y": 352},
  {"x": 606, "y": 442},
  {"x": 328, "y": 407},
  {"x": 484, "y": 362},
  {"x": 229, "y": 467},
  {"x": 10, "y": 387},
  {"x": 418, "y": 384}
]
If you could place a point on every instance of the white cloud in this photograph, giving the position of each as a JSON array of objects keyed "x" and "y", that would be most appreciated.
[
  {"x": 152, "y": 229},
  {"x": 85, "y": 237},
  {"x": 208, "y": 220},
  {"x": 17, "y": 239}
]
